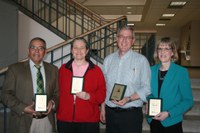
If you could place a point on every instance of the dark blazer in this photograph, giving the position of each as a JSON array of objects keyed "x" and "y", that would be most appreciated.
[
  {"x": 17, "y": 93},
  {"x": 175, "y": 92}
]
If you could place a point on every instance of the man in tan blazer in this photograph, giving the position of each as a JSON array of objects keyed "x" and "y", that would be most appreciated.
[{"x": 19, "y": 88}]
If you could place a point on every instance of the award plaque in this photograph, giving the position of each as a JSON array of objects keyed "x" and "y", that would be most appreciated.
[
  {"x": 77, "y": 84},
  {"x": 118, "y": 92},
  {"x": 154, "y": 106},
  {"x": 41, "y": 102}
]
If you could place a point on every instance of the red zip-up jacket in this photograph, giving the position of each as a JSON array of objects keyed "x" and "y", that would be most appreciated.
[{"x": 79, "y": 110}]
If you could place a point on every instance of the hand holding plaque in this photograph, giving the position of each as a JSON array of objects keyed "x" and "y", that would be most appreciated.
[
  {"x": 118, "y": 92},
  {"x": 77, "y": 84},
  {"x": 41, "y": 102},
  {"x": 154, "y": 106}
]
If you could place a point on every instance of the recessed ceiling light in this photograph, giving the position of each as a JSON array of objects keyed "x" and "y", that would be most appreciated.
[
  {"x": 129, "y": 13},
  {"x": 168, "y": 15},
  {"x": 177, "y": 4},
  {"x": 130, "y": 24},
  {"x": 128, "y": 7},
  {"x": 160, "y": 24}
]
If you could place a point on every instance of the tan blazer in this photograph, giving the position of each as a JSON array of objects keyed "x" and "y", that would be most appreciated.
[{"x": 17, "y": 93}]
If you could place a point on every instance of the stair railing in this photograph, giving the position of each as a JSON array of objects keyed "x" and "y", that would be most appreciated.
[
  {"x": 102, "y": 42},
  {"x": 102, "y": 39},
  {"x": 66, "y": 18}
]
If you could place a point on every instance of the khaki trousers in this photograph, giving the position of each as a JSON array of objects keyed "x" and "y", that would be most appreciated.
[{"x": 41, "y": 126}]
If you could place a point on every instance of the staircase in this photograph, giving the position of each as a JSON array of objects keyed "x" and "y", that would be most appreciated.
[
  {"x": 66, "y": 18},
  {"x": 191, "y": 121},
  {"x": 70, "y": 20}
]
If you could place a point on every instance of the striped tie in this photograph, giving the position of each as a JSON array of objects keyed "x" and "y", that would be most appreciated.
[{"x": 40, "y": 83}]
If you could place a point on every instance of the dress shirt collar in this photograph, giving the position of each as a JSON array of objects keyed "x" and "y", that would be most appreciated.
[
  {"x": 126, "y": 55},
  {"x": 32, "y": 64}
]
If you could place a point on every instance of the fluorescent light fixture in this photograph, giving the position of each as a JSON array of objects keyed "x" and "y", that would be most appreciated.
[
  {"x": 168, "y": 15},
  {"x": 177, "y": 4},
  {"x": 131, "y": 24},
  {"x": 160, "y": 24}
]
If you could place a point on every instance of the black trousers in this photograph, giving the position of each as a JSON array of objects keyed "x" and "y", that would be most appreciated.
[
  {"x": 157, "y": 127},
  {"x": 124, "y": 121},
  {"x": 72, "y": 127}
]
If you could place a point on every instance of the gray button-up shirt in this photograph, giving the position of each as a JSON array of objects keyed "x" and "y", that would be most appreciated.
[{"x": 132, "y": 69}]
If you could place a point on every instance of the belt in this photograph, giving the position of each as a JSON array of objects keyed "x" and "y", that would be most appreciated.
[
  {"x": 39, "y": 116},
  {"x": 118, "y": 109}
]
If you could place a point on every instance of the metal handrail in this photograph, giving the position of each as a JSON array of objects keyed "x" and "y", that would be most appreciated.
[
  {"x": 94, "y": 15},
  {"x": 87, "y": 34},
  {"x": 68, "y": 42},
  {"x": 66, "y": 18},
  {"x": 101, "y": 39}
]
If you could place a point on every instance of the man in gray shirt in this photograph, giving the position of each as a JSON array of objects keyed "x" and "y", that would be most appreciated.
[{"x": 130, "y": 70}]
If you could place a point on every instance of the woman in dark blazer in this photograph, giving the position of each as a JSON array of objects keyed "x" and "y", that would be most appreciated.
[{"x": 171, "y": 83}]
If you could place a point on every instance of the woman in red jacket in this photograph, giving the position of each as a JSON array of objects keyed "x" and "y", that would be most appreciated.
[{"x": 78, "y": 110}]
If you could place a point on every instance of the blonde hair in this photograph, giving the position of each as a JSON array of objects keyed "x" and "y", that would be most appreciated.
[{"x": 169, "y": 42}]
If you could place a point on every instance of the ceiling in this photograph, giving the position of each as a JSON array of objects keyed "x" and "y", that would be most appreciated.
[{"x": 146, "y": 13}]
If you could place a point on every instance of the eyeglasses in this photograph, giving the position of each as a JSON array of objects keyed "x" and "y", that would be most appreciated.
[
  {"x": 164, "y": 49},
  {"x": 125, "y": 37},
  {"x": 37, "y": 48}
]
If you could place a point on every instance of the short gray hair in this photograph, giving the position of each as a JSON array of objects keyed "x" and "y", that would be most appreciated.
[{"x": 126, "y": 27}]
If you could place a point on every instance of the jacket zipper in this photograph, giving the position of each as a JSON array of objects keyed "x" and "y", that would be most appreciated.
[{"x": 74, "y": 109}]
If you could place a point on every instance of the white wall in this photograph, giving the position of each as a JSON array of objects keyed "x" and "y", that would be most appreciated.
[{"x": 29, "y": 29}]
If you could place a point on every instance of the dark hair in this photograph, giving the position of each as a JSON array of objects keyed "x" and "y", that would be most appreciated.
[
  {"x": 169, "y": 42},
  {"x": 126, "y": 27},
  {"x": 37, "y": 39}
]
